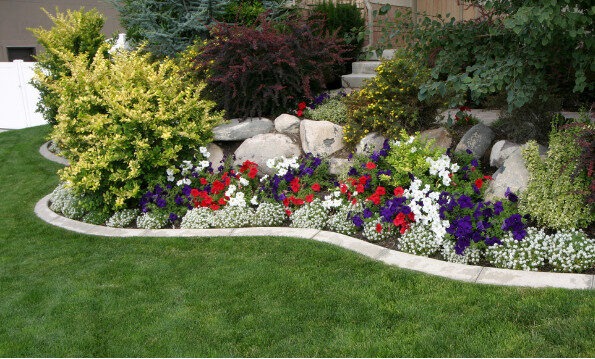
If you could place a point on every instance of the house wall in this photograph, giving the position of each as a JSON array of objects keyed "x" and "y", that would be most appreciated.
[{"x": 18, "y": 15}]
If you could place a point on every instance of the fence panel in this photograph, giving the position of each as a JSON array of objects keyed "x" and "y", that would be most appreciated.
[{"x": 18, "y": 98}]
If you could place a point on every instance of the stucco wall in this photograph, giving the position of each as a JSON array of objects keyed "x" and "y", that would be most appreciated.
[{"x": 18, "y": 15}]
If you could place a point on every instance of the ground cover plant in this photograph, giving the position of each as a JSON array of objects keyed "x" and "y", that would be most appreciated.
[{"x": 69, "y": 294}]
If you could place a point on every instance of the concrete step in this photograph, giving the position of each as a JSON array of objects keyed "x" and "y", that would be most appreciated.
[
  {"x": 355, "y": 80},
  {"x": 364, "y": 67}
]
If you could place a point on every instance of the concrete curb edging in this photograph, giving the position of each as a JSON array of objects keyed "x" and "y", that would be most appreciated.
[
  {"x": 43, "y": 150},
  {"x": 461, "y": 272}
]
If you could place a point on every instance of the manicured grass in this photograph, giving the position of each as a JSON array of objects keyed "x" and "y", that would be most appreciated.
[{"x": 65, "y": 294}]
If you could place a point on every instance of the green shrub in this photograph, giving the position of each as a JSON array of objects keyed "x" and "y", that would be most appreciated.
[
  {"x": 333, "y": 110},
  {"x": 388, "y": 103},
  {"x": 556, "y": 195},
  {"x": 73, "y": 33},
  {"x": 122, "y": 123}
]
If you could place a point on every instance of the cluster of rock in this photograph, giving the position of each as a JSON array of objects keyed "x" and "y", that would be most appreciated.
[{"x": 259, "y": 139}]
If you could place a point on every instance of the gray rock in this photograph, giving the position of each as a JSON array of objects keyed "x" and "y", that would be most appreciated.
[
  {"x": 512, "y": 174},
  {"x": 237, "y": 130},
  {"x": 216, "y": 154},
  {"x": 478, "y": 139},
  {"x": 321, "y": 138},
  {"x": 501, "y": 151},
  {"x": 262, "y": 147},
  {"x": 338, "y": 165},
  {"x": 286, "y": 123},
  {"x": 372, "y": 142},
  {"x": 440, "y": 135}
]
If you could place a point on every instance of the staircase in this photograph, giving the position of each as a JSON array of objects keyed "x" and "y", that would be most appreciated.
[{"x": 361, "y": 71}]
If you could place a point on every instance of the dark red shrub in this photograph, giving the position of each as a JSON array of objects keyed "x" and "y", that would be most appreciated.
[{"x": 266, "y": 69}]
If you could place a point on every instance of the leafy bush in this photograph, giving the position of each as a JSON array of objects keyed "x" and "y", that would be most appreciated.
[
  {"x": 556, "y": 194},
  {"x": 266, "y": 69},
  {"x": 388, "y": 103},
  {"x": 122, "y": 123},
  {"x": 532, "y": 50},
  {"x": 73, "y": 33}
]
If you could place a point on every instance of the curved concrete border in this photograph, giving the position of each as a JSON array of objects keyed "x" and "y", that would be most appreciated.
[
  {"x": 462, "y": 272},
  {"x": 45, "y": 152}
]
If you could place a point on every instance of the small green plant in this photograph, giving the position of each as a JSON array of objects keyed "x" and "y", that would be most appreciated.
[
  {"x": 73, "y": 33},
  {"x": 333, "y": 110},
  {"x": 556, "y": 195},
  {"x": 389, "y": 103}
]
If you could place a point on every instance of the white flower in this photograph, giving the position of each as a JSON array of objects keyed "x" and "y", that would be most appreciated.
[
  {"x": 254, "y": 201},
  {"x": 244, "y": 182},
  {"x": 184, "y": 181},
  {"x": 230, "y": 190},
  {"x": 204, "y": 152},
  {"x": 170, "y": 174}
]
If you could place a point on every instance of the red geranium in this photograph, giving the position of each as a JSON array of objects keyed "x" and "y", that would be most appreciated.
[
  {"x": 315, "y": 187},
  {"x": 479, "y": 183},
  {"x": 309, "y": 198},
  {"x": 194, "y": 192},
  {"x": 378, "y": 227},
  {"x": 295, "y": 185},
  {"x": 398, "y": 192},
  {"x": 370, "y": 165}
]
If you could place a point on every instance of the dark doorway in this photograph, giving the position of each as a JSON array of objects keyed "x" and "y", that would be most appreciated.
[{"x": 21, "y": 53}]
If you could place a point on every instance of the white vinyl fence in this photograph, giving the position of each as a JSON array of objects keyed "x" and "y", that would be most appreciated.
[{"x": 18, "y": 98}]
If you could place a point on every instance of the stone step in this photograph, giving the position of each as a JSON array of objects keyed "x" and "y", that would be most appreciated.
[
  {"x": 364, "y": 67},
  {"x": 355, "y": 80}
]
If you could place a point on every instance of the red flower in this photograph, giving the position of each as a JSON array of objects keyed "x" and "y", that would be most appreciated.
[
  {"x": 203, "y": 181},
  {"x": 295, "y": 185},
  {"x": 354, "y": 201},
  {"x": 381, "y": 191},
  {"x": 370, "y": 165},
  {"x": 309, "y": 198},
  {"x": 465, "y": 108},
  {"x": 398, "y": 192},
  {"x": 378, "y": 227},
  {"x": 214, "y": 207},
  {"x": 315, "y": 187},
  {"x": 343, "y": 187},
  {"x": 359, "y": 188},
  {"x": 296, "y": 201},
  {"x": 479, "y": 183},
  {"x": 375, "y": 198},
  {"x": 300, "y": 113},
  {"x": 288, "y": 212},
  {"x": 286, "y": 202},
  {"x": 404, "y": 228},
  {"x": 222, "y": 201},
  {"x": 301, "y": 106},
  {"x": 363, "y": 179},
  {"x": 399, "y": 219},
  {"x": 194, "y": 192},
  {"x": 218, "y": 186},
  {"x": 253, "y": 172},
  {"x": 411, "y": 217},
  {"x": 489, "y": 178}
]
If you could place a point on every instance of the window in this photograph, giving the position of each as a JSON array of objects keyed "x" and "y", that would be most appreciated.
[{"x": 21, "y": 53}]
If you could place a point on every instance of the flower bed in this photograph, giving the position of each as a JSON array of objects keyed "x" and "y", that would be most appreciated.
[{"x": 409, "y": 195}]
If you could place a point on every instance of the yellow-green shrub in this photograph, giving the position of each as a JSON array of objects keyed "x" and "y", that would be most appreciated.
[
  {"x": 556, "y": 195},
  {"x": 124, "y": 121},
  {"x": 388, "y": 103},
  {"x": 73, "y": 33}
]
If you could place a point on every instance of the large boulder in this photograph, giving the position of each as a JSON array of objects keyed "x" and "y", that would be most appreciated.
[
  {"x": 321, "y": 138},
  {"x": 478, "y": 139},
  {"x": 338, "y": 165},
  {"x": 440, "y": 135},
  {"x": 237, "y": 130},
  {"x": 501, "y": 151},
  {"x": 512, "y": 174},
  {"x": 216, "y": 155},
  {"x": 372, "y": 142},
  {"x": 262, "y": 147},
  {"x": 288, "y": 124}
]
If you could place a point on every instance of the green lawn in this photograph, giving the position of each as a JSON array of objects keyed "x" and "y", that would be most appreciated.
[{"x": 66, "y": 294}]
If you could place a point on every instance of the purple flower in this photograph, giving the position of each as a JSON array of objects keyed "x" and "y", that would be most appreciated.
[
  {"x": 357, "y": 221},
  {"x": 474, "y": 163},
  {"x": 465, "y": 202},
  {"x": 161, "y": 202},
  {"x": 498, "y": 208},
  {"x": 173, "y": 217},
  {"x": 186, "y": 190},
  {"x": 515, "y": 225},
  {"x": 179, "y": 200},
  {"x": 367, "y": 213},
  {"x": 353, "y": 172},
  {"x": 511, "y": 196}
]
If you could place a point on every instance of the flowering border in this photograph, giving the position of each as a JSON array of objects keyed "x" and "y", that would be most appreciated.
[{"x": 456, "y": 271}]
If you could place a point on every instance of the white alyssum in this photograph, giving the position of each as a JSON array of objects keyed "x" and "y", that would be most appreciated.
[
  {"x": 571, "y": 251},
  {"x": 64, "y": 200},
  {"x": 198, "y": 218},
  {"x": 233, "y": 217},
  {"x": 152, "y": 220},
  {"x": 371, "y": 233},
  {"x": 528, "y": 255},
  {"x": 419, "y": 240},
  {"x": 310, "y": 215},
  {"x": 123, "y": 218},
  {"x": 341, "y": 222},
  {"x": 269, "y": 215},
  {"x": 471, "y": 255},
  {"x": 333, "y": 200}
]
